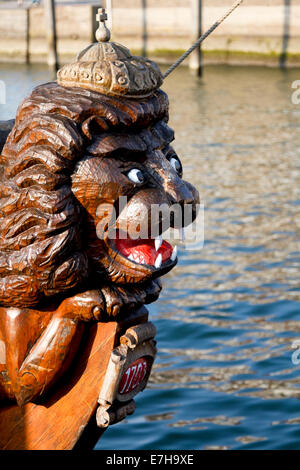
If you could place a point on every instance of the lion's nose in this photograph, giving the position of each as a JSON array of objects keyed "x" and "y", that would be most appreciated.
[{"x": 181, "y": 192}]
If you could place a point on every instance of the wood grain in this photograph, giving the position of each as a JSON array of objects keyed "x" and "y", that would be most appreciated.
[
  {"x": 58, "y": 422},
  {"x": 66, "y": 286}
]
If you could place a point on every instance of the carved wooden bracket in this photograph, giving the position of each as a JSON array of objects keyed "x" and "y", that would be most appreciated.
[{"x": 127, "y": 374}]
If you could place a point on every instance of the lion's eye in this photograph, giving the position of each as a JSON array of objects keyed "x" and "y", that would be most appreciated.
[
  {"x": 136, "y": 176},
  {"x": 176, "y": 165}
]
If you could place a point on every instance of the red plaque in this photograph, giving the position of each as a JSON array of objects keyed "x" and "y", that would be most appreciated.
[{"x": 134, "y": 375}]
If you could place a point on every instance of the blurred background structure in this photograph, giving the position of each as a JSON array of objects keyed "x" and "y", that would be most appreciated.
[{"x": 259, "y": 32}]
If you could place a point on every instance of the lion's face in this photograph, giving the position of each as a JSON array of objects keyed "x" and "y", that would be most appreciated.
[{"x": 118, "y": 187}]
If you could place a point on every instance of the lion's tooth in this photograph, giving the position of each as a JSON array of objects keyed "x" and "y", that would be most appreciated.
[
  {"x": 158, "y": 242},
  {"x": 130, "y": 257},
  {"x": 158, "y": 261},
  {"x": 174, "y": 254}
]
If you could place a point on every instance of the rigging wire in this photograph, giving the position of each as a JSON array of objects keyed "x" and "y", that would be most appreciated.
[{"x": 204, "y": 36}]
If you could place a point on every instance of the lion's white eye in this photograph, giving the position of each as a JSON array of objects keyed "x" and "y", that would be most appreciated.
[
  {"x": 176, "y": 165},
  {"x": 136, "y": 176}
]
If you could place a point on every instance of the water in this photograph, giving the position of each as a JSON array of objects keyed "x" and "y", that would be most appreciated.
[{"x": 229, "y": 313}]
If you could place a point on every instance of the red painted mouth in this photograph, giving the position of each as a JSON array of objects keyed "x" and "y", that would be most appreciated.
[{"x": 153, "y": 252}]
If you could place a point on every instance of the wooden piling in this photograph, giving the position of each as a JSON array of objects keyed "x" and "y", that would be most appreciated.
[
  {"x": 144, "y": 26},
  {"x": 27, "y": 50},
  {"x": 51, "y": 33},
  {"x": 196, "y": 56}
]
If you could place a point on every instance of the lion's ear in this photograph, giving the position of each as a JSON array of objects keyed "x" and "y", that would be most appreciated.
[{"x": 93, "y": 124}]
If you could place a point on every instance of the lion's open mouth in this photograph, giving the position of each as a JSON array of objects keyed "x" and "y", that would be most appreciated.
[{"x": 152, "y": 252}]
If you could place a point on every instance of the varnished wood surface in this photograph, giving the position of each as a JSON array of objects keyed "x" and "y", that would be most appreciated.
[
  {"x": 57, "y": 423},
  {"x": 69, "y": 155},
  {"x": 74, "y": 149}
]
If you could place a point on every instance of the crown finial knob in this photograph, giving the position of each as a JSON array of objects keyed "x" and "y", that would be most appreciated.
[
  {"x": 110, "y": 69},
  {"x": 102, "y": 33}
]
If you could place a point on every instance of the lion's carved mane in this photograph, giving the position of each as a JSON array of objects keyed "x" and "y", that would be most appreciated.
[{"x": 41, "y": 222}]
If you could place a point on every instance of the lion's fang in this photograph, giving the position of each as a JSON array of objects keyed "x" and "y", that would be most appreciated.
[
  {"x": 158, "y": 261},
  {"x": 158, "y": 242},
  {"x": 174, "y": 254}
]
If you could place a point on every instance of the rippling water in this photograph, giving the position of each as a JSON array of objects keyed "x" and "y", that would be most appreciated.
[{"x": 229, "y": 313}]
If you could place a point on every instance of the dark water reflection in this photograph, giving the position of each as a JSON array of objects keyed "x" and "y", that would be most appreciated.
[{"x": 229, "y": 313}]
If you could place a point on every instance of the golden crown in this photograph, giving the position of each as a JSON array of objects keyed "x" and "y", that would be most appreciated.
[{"x": 109, "y": 68}]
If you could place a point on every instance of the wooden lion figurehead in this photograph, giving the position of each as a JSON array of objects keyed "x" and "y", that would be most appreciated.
[{"x": 82, "y": 143}]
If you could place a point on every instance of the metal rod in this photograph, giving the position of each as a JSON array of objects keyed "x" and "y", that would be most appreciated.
[{"x": 201, "y": 39}]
